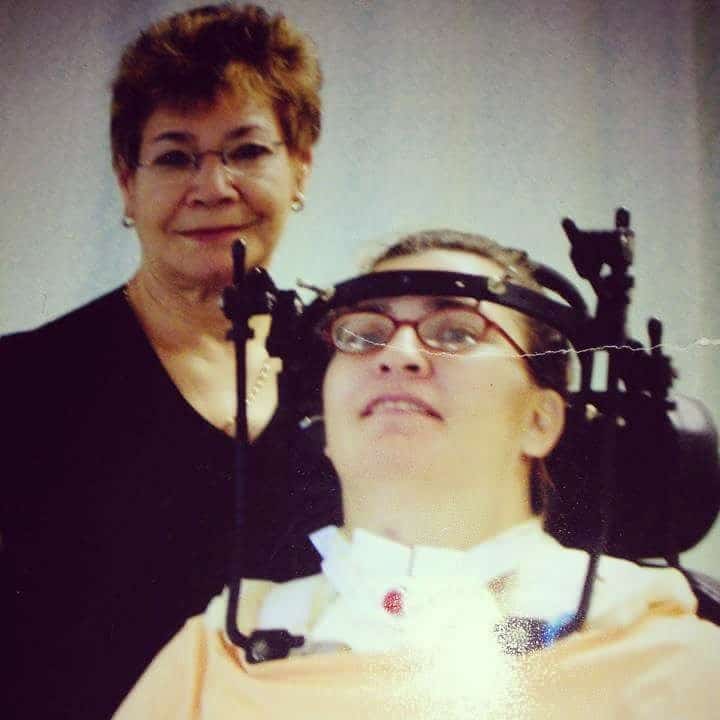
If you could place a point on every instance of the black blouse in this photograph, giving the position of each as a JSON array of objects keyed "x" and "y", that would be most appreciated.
[{"x": 117, "y": 509}]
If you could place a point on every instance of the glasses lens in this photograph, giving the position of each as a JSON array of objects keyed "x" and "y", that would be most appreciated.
[
  {"x": 173, "y": 162},
  {"x": 361, "y": 332},
  {"x": 453, "y": 330},
  {"x": 249, "y": 157}
]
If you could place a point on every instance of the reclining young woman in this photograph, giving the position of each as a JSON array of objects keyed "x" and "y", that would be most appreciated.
[{"x": 438, "y": 413}]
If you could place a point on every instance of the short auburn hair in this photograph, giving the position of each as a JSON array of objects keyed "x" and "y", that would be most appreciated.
[{"x": 186, "y": 60}]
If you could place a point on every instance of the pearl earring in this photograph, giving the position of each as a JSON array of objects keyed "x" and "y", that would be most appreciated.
[{"x": 298, "y": 203}]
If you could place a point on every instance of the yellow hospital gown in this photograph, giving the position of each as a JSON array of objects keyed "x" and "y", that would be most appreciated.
[{"x": 432, "y": 653}]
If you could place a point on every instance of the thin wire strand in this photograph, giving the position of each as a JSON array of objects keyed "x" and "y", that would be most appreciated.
[{"x": 700, "y": 342}]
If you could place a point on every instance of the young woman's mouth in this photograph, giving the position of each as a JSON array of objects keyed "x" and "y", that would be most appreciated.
[{"x": 399, "y": 404}]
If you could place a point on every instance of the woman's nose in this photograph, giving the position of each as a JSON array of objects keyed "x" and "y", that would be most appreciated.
[
  {"x": 212, "y": 183},
  {"x": 405, "y": 353}
]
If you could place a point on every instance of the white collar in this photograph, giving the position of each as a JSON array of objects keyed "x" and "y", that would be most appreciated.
[
  {"x": 345, "y": 603},
  {"x": 379, "y": 556}
]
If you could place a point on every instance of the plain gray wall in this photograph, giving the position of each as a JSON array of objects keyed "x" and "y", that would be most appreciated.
[{"x": 500, "y": 117}]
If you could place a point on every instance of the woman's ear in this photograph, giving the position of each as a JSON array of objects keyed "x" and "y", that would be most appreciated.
[
  {"x": 304, "y": 163},
  {"x": 546, "y": 423},
  {"x": 126, "y": 182}
]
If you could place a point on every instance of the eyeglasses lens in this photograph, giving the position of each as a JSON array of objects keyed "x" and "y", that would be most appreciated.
[
  {"x": 452, "y": 330},
  {"x": 249, "y": 158},
  {"x": 361, "y": 332}
]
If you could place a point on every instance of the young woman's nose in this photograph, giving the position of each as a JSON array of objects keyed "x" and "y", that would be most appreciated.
[{"x": 405, "y": 353}]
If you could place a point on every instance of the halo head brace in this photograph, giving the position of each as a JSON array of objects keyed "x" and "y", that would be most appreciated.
[
  {"x": 666, "y": 489},
  {"x": 636, "y": 473}
]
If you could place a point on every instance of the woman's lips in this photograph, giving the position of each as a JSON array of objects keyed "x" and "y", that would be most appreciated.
[
  {"x": 400, "y": 405},
  {"x": 215, "y": 234}
]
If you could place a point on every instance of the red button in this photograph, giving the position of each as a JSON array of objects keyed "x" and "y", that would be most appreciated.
[{"x": 393, "y": 602}]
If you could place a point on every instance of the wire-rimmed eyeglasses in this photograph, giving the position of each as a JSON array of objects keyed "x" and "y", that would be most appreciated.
[{"x": 241, "y": 157}]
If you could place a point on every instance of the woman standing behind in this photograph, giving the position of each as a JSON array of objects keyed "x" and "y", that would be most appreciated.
[{"x": 120, "y": 415}]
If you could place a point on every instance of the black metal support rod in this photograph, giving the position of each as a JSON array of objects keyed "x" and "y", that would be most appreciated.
[
  {"x": 590, "y": 252},
  {"x": 249, "y": 295},
  {"x": 237, "y": 309}
]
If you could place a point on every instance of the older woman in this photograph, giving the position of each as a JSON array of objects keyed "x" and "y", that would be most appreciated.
[
  {"x": 120, "y": 415},
  {"x": 436, "y": 418}
]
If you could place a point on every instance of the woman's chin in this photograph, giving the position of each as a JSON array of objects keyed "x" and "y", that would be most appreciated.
[
  {"x": 212, "y": 264},
  {"x": 212, "y": 279}
]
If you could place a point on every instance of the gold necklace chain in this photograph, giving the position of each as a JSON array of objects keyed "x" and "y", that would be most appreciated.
[
  {"x": 260, "y": 379},
  {"x": 230, "y": 427},
  {"x": 259, "y": 382}
]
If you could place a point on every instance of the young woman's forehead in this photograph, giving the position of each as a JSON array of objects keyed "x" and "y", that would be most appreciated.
[
  {"x": 460, "y": 261},
  {"x": 420, "y": 303}
]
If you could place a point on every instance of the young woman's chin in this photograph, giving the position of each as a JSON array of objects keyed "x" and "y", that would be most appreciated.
[{"x": 407, "y": 426}]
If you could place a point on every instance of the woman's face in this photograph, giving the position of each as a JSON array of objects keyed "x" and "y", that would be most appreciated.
[
  {"x": 186, "y": 228},
  {"x": 403, "y": 407}
]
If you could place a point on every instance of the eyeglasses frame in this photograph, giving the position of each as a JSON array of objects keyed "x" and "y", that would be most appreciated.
[
  {"x": 326, "y": 329},
  {"x": 196, "y": 160}
]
